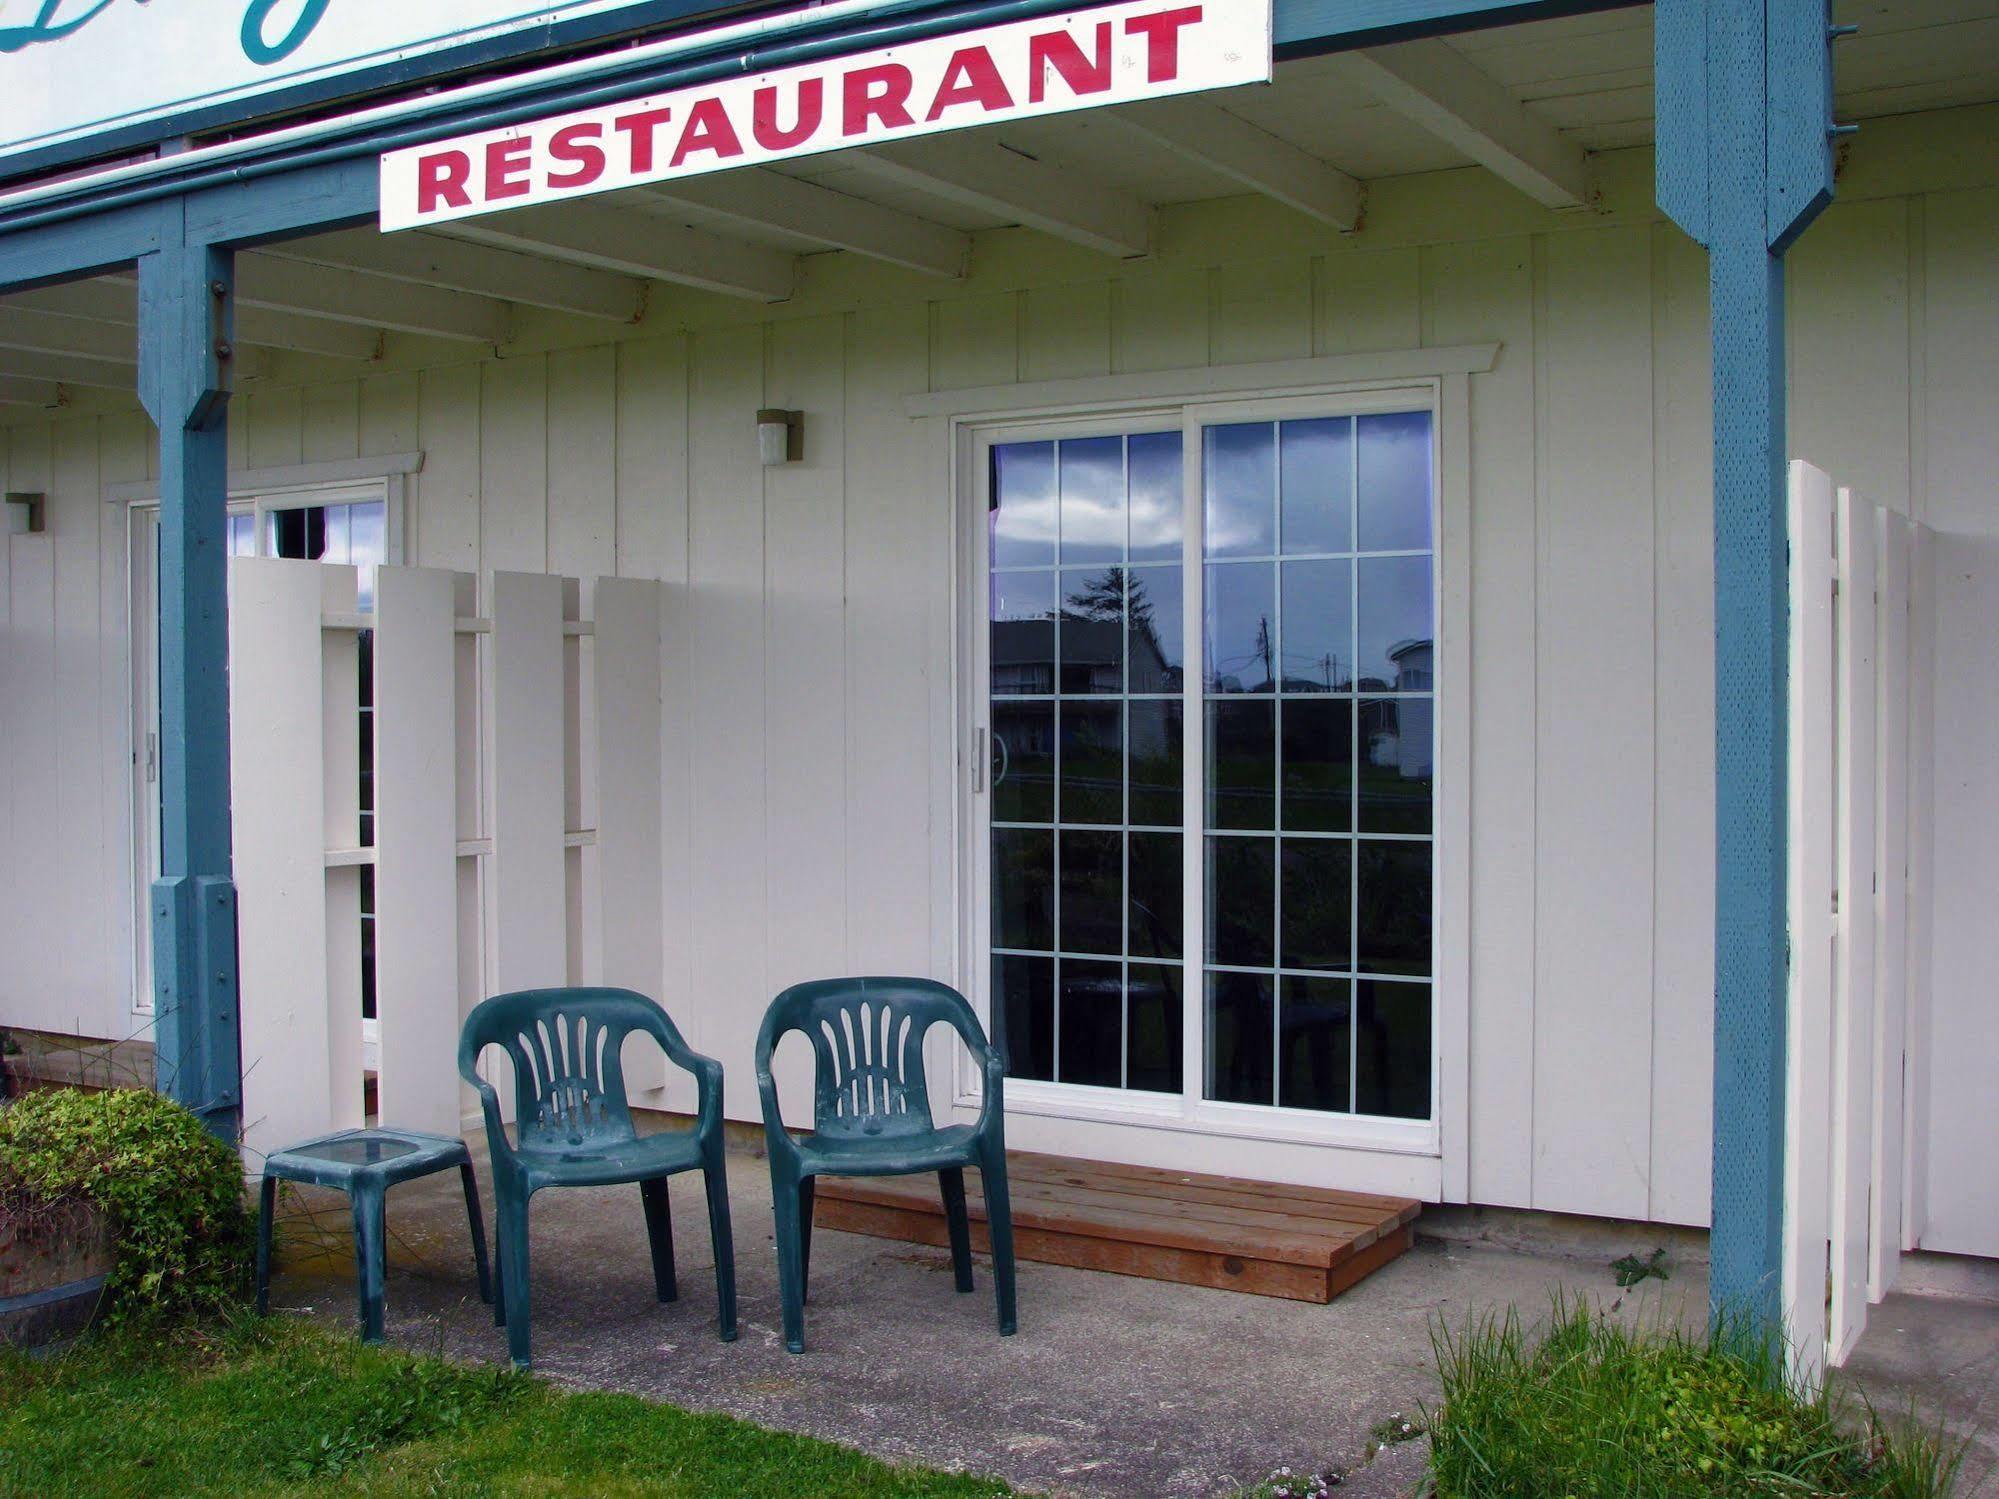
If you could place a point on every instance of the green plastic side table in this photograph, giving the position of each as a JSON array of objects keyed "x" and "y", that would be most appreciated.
[{"x": 365, "y": 1163}]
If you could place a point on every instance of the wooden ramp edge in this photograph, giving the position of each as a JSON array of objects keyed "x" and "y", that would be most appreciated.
[{"x": 1265, "y": 1238}]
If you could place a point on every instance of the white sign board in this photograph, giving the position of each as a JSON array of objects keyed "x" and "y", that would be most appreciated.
[
  {"x": 1112, "y": 54},
  {"x": 71, "y": 69}
]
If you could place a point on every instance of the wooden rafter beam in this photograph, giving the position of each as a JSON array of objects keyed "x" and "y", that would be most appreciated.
[
  {"x": 342, "y": 296},
  {"x": 637, "y": 244},
  {"x": 981, "y": 173},
  {"x": 117, "y": 302},
  {"x": 346, "y": 296},
  {"x": 31, "y": 330},
  {"x": 759, "y": 198},
  {"x": 68, "y": 369},
  {"x": 1436, "y": 86},
  {"x": 17, "y": 391},
  {"x": 456, "y": 264},
  {"x": 1247, "y": 154}
]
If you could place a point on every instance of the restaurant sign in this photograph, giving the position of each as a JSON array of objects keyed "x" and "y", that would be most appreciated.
[
  {"x": 1113, "y": 54},
  {"x": 76, "y": 70}
]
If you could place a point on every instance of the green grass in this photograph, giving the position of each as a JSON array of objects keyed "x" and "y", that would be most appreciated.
[
  {"x": 274, "y": 1407},
  {"x": 1592, "y": 1408}
]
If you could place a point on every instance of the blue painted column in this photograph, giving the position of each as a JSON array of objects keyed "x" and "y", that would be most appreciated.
[
  {"x": 186, "y": 296},
  {"x": 1744, "y": 164}
]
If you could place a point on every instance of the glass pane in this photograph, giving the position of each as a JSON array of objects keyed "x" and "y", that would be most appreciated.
[
  {"x": 1157, "y": 649},
  {"x": 337, "y": 531},
  {"x": 1152, "y": 1028},
  {"x": 367, "y": 534},
  {"x": 1317, "y": 903},
  {"x": 1023, "y": 768},
  {"x": 1318, "y": 765},
  {"x": 1315, "y": 1038},
  {"x": 242, "y": 536},
  {"x": 1396, "y": 764},
  {"x": 1392, "y": 1049},
  {"x": 1093, "y": 630},
  {"x": 367, "y": 542},
  {"x": 1395, "y": 482},
  {"x": 1240, "y": 1037},
  {"x": 1241, "y": 497},
  {"x": 1023, "y": 504},
  {"x": 1318, "y": 626},
  {"x": 1092, "y": 892},
  {"x": 1242, "y": 764},
  {"x": 1156, "y": 764},
  {"x": 1024, "y": 888},
  {"x": 1092, "y": 1023},
  {"x": 1024, "y": 1001},
  {"x": 1396, "y": 652},
  {"x": 1241, "y": 902},
  {"x": 1092, "y": 763},
  {"x": 1241, "y": 627},
  {"x": 368, "y": 948},
  {"x": 1394, "y": 934},
  {"x": 1092, "y": 479},
  {"x": 1023, "y": 639},
  {"x": 1157, "y": 501},
  {"x": 1316, "y": 468},
  {"x": 1158, "y": 888}
]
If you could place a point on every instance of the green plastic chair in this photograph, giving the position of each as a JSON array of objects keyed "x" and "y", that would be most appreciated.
[
  {"x": 573, "y": 1128},
  {"x": 871, "y": 1117}
]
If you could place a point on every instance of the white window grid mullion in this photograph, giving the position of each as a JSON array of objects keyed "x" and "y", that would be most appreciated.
[
  {"x": 1193, "y": 766},
  {"x": 1276, "y": 664},
  {"x": 1353, "y": 769},
  {"x": 1124, "y": 786},
  {"x": 1055, "y": 839}
]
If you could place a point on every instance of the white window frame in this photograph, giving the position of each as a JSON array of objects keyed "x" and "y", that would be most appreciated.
[
  {"x": 1428, "y": 1158},
  {"x": 258, "y": 493}
]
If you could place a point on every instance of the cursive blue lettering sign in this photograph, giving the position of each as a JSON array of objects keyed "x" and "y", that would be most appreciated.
[
  {"x": 260, "y": 50},
  {"x": 57, "y": 19},
  {"x": 48, "y": 25}
]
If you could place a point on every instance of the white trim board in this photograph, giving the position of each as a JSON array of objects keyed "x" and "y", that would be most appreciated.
[
  {"x": 1103, "y": 393},
  {"x": 293, "y": 476}
]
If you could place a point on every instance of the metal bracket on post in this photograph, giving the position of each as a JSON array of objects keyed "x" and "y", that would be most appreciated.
[
  {"x": 186, "y": 351},
  {"x": 1745, "y": 163}
]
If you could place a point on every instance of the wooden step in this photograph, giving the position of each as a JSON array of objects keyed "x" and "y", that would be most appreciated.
[{"x": 1266, "y": 1238}]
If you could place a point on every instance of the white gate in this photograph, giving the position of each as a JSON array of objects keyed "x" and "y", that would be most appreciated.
[
  {"x": 1852, "y": 802},
  {"x": 516, "y": 778}
]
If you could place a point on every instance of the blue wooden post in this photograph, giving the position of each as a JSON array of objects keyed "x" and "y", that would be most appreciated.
[
  {"x": 186, "y": 294},
  {"x": 1744, "y": 164}
]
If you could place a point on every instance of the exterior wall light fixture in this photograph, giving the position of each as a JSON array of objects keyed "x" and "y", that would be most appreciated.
[{"x": 780, "y": 437}]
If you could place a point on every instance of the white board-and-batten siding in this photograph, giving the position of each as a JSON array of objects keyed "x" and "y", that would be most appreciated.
[{"x": 807, "y": 760}]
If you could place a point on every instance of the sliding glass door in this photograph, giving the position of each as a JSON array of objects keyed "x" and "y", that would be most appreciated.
[{"x": 1243, "y": 917}]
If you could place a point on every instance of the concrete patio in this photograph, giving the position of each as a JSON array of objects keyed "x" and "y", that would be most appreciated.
[{"x": 1113, "y": 1385}]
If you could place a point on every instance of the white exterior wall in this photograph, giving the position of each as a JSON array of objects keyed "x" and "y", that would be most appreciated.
[{"x": 808, "y": 759}]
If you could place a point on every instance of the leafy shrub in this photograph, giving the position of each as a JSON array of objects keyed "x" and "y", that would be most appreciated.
[
  {"x": 173, "y": 1192},
  {"x": 1595, "y": 1407}
]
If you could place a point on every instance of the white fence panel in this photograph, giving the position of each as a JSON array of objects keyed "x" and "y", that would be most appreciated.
[
  {"x": 517, "y": 823},
  {"x": 1922, "y": 811},
  {"x": 300, "y": 996},
  {"x": 1891, "y": 901},
  {"x": 629, "y": 894},
  {"x": 530, "y": 897},
  {"x": 417, "y": 984},
  {"x": 1853, "y": 994},
  {"x": 1808, "y": 1056}
]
